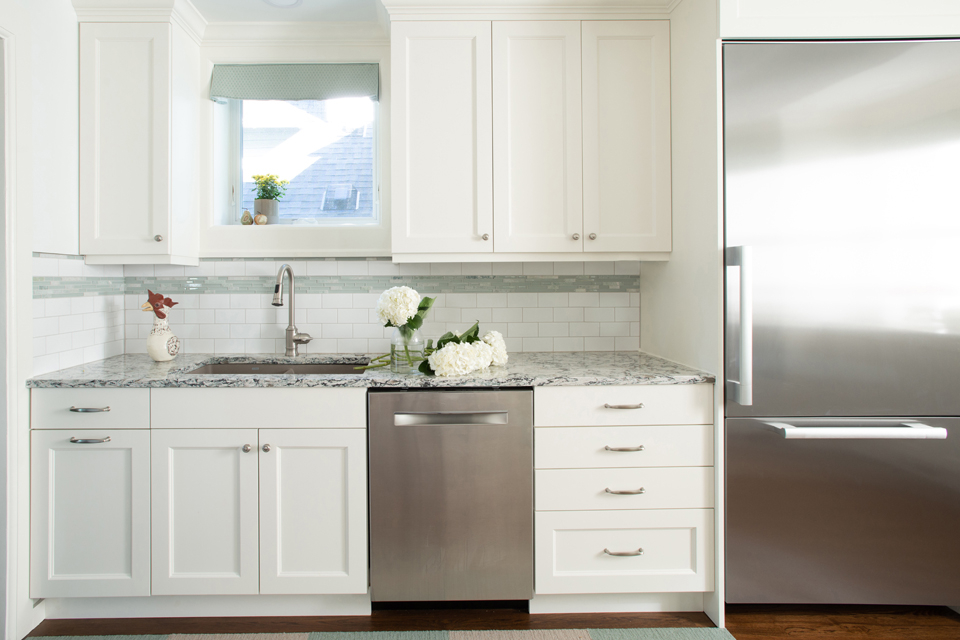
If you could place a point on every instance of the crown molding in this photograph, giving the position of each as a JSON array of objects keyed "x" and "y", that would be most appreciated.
[
  {"x": 181, "y": 12},
  {"x": 296, "y": 33},
  {"x": 528, "y": 9}
]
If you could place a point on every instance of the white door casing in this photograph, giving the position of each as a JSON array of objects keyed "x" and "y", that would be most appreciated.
[
  {"x": 537, "y": 146},
  {"x": 313, "y": 511},
  {"x": 205, "y": 511},
  {"x": 90, "y": 505},
  {"x": 626, "y": 136}
]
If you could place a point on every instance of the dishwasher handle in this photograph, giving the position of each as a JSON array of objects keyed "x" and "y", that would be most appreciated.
[
  {"x": 448, "y": 418},
  {"x": 907, "y": 430}
]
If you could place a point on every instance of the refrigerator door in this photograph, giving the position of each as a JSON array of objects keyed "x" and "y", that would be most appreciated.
[
  {"x": 869, "y": 520},
  {"x": 841, "y": 184}
]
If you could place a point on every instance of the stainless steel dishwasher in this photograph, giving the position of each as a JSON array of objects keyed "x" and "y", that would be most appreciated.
[{"x": 451, "y": 495}]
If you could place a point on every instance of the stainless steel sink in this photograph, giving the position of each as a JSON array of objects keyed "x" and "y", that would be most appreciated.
[{"x": 302, "y": 369}]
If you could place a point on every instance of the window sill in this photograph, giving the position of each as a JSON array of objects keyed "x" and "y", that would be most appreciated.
[{"x": 294, "y": 241}]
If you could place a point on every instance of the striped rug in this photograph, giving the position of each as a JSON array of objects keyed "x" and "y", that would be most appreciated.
[{"x": 690, "y": 633}]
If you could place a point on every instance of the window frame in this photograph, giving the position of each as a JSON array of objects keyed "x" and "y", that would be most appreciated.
[{"x": 235, "y": 169}]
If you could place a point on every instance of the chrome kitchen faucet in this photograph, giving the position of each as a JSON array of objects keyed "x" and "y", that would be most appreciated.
[{"x": 293, "y": 338}]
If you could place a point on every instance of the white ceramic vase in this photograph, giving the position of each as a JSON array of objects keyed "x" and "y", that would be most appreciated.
[
  {"x": 269, "y": 208},
  {"x": 162, "y": 345}
]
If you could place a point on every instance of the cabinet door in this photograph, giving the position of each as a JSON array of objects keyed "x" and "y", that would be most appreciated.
[
  {"x": 313, "y": 511},
  {"x": 125, "y": 138},
  {"x": 441, "y": 124},
  {"x": 204, "y": 511},
  {"x": 90, "y": 508},
  {"x": 537, "y": 143},
  {"x": 626, "y": 136}
]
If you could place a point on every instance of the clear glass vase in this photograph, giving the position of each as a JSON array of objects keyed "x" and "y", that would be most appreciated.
[{"x": 406, "y": 350}]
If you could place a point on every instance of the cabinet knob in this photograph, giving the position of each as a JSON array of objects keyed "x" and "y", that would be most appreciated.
[
  {"x": 576, "y": 236},
  {"x": 485, "y": 236},
  {"x": 158, "y": 238},
  {"x": 246, "y": 448},
  {"x": 592, "y": 236},
  {"x": 266, "y": 448}
]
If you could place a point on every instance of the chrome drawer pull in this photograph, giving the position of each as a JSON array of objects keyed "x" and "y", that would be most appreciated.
[
  {"x": 90, "y": 440},
  {"x": 629, "y": 492},
  {"x": 89, "y": 409},
  {"x": 638, "y": 552},
  {"x": 623, "y": 406},
  {"x": 609, "y": 448}
]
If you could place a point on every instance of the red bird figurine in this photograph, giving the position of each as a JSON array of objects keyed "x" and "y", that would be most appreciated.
[{"x": 162, "y": 345}]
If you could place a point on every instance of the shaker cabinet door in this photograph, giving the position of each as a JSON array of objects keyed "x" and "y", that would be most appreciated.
[
  {"x": 205, "y": 516},
  {"x": 90, "y": 513},
  {"x": 313, "y": 511},
  {"x": 626, "y": 136},
  {"x": 441, "y": 158},
  {"x": 537, "y": 156}
]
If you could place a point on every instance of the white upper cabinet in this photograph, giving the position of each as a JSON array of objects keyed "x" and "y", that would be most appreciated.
[
  {"x": 138, "y": 117},
  {"x": 442, "y": 167},
  {"x": 550, "y": 138},
  {"x": 537, "y": 137},
  {"x": 626, "y": 136}
]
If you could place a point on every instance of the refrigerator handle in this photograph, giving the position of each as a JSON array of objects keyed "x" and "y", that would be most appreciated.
[{"x": 741, "y": 391}]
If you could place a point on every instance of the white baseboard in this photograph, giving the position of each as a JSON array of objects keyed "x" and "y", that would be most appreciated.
[
  {"x": 208, "y": 606},
  {"x": 616, "y": 602}
]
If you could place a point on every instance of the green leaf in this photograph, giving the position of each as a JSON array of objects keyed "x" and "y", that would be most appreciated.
[
  {"x": 429, "y": 345},
  {"x": 425, "y": 369},
  {"x": 472, "y": 334},
  {"x": 445, "y": 339},
  {"x": 415, "y": 322},
  {"x": 425, "y": 305}
]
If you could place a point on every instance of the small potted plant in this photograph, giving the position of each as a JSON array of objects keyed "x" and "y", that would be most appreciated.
[{"x": 270, "y": 188}]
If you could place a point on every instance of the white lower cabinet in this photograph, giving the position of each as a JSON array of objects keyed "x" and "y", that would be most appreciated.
[
  {"x": 653, "y": 551},
  {"x": 90, "y": 503},
  {"x": 246, "y": 511},
  {"x": 205, "y": 506}
]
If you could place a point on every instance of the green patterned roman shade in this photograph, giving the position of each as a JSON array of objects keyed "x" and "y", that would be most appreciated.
[{"x": 295, "y": 81}]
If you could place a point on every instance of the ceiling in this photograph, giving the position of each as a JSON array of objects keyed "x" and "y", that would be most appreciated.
[{"x": 306, "y": 11}]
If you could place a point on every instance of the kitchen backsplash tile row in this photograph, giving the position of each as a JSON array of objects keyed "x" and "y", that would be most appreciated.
[
  {"x": 224, "y": 305},
  {"x": 72, "y": 331}
]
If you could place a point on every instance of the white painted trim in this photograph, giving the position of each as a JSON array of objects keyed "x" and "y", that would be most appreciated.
[
  {"x": 616, "y": 602},
  {"x": 525, "y": 257},
  {"x": 181, "y": 12},
  {"x": 356, "y": 34},
  {"x": 208, "y": 606},
  {"x": 135, "y": 258},
  {"x": 526, "y": 10}
]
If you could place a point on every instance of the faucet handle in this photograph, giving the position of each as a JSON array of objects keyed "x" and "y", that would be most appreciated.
[{"x": 302, "y": 338}]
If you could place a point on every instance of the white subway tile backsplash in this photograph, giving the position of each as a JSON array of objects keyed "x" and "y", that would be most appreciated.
[
  {"x": 231, "y": 316},
  {"x": 350, "y": 316},
  {"x": 584, "y": 329},
  {"x": 538, "y": 314},
  {"x": 321, "y": 268},
  {"x": 567, "y": 269},
  {"x": 352, "y": 268},
  {"x": 568, "y": 314},
  {"x": 228, "y": 345},
  {"x": 598, "y": 269},
  {"x": 446, "y": 269},
  {"x": 70, "y": 269},
  {"x": 508, "y": 314},
  {"x": 554, "y": 329},
  {"x": 493, "y": 300},
  {"x": 476, "y": 269},
  {"x": 614, "y": 299},
  {"x": 338, "y": 301},
  {"x": 506, "y": 268},
  {"x": 168, "y": 271},
  {"x": 352, "y": 345},
  {"x": 589, "y": 299},
  {"x": 229, "y": 268},
  {"x": 246, "y": 331},
  {"x": 599, "y": 314},
  {"x": 614, "y": 328},
  {"x": 522, "y": 330},
  {"x": 538, "y": 344},
  {"x": 599, "y": 344},
  {"x": 263, "y": 268},
  {"x": 626, "y": 268},
  {"x": 522, "y": 300},
  {"x": 538, "y": 268}
]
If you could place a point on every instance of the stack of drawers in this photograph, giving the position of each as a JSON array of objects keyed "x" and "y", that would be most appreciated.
[{"x": 624, "y": 489}]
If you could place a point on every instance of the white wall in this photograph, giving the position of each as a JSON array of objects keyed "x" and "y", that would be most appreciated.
[
  {"x": 56, "y": 127},
  {"x": 680, "y": 313}
]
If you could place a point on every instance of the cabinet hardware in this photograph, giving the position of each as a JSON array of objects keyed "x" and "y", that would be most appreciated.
[
  {"x": 246, "y": 448},
  {"x": 639, "y": 405},
  {"x": 628, "y": 492},
  {"x": 485, "y": 236},
  {"x": 592, "y": 236},
  {"x": 89, "y": 409},
  {"x": 576, "y": 236},
  {"x": 638, "y": 552},
  {"x": 266, "y": 448},
  {"x": 90, "y": 440},
  {"x": 158, "y": 238},
  {"x": 609, "y": 448}
]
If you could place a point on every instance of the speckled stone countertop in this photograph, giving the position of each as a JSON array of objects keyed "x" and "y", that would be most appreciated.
[{"x": 523, "y": 370}]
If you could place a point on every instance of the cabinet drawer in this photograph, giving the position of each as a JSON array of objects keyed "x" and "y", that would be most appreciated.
[
  {"x": 255, "y": 408},
  {"x": 661, "y": 488},
  {"x": 660, "y": 446},
  {"x": 51, "y": 408},
  {"x": 677, "y": 552},
  {"x": 585, "y": 406}
]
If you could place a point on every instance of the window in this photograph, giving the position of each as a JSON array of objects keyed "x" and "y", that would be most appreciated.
[
  {"x": 326, "y": 149},
  {"x": 313, "y": 125}
]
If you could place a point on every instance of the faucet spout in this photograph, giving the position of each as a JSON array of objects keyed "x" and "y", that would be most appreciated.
[{"x": 293, "y": 338}]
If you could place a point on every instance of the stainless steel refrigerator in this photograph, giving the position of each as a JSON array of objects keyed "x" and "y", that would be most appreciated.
[{"x": 842, "y": 338}]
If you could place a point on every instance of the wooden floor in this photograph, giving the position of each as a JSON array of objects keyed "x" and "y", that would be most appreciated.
[{"x": 745, "y": 622}]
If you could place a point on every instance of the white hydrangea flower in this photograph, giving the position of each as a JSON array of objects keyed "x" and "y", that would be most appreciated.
[
  {"x": 397, "y": 305},
  {"x": 459, "y": 359},
  {"x": 499, "y": 347}
]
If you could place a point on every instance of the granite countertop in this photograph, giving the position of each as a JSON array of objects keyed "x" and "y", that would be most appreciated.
[{"x": 523, "y": 370}]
